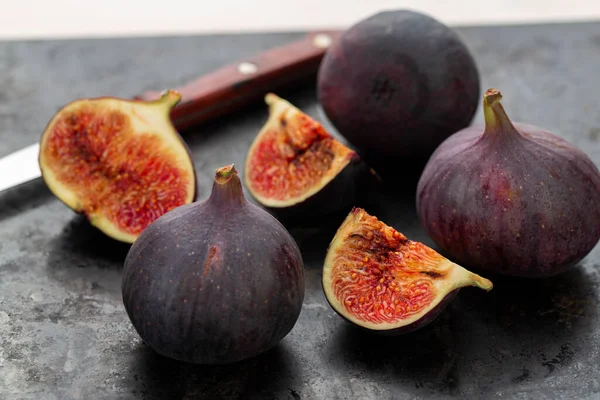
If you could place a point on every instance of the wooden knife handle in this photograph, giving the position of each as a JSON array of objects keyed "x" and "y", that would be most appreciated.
[{"x": 235, "y": 85}]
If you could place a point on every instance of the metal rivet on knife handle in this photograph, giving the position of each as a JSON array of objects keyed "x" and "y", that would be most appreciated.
[
  {"x": 247, "y": 68},
  {"x": 322, "y": 40}
]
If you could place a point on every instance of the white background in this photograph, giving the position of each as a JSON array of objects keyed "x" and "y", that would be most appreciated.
[{"x": 89, "y": 18}]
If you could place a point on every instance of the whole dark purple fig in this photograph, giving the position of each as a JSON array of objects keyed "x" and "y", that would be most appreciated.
[
  {"x": 510, "y": 198},
  {"x": 396, "y": 85},
  {"x": 216, "y": 281}
]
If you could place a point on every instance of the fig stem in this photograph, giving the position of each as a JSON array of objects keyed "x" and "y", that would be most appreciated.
[
  {"x": 496, "y": 119},
  {"x": 224, "y": 174},
  {"x": 481, "y": 282},
  {"x": 169, "y": 97},
  {"x": 463, "y": 277},
  {"x": 227, "y": 188}
]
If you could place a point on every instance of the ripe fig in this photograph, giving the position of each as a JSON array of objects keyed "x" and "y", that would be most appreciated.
[
  {"x": 510, "y": 197},
  {"x": 216, "y": 281},
  {"x": 396, "y": 85},
  {"x": 295, "y": 167},
  {"x": 119, "y": 162},
  {"x": 377, "y": 278}
]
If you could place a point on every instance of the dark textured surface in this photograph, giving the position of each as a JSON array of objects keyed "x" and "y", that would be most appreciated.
[{"x": 64, "y": 333}]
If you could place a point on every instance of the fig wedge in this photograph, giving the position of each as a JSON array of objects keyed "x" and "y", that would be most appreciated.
[
  {"x": 294, "y": 167},
  {"x": 378, "y": 279},
  {"x": 121, "y": 163}
]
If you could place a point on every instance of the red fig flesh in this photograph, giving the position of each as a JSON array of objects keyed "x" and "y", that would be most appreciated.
[
  {"x": 510, "y": 197},
  {"x": 119, "y": 162},
  {"x": 378, "y": 279},
  {"x": 294, "y": 166}
]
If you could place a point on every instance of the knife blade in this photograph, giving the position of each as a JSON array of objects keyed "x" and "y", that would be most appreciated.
[
  {"x": 19, "y": 167},
  {"x": 215, "y": 94}
]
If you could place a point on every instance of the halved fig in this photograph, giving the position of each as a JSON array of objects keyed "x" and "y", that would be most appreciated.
[
  {"x": 119, "y": 162},
  {"x": 295, "y": 167},
  {"x": 377, "y": 278}
]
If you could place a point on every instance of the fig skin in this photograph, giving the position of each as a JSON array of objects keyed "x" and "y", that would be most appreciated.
[
  {"x": 510, "y": 198},
  {"x": 216, "y": 281},
  {"x": 379, "y": 280},
  {"x": 74, "y": 186},
  {"x": 396, "y": 85},
  {"x": 342, "y": 186}
]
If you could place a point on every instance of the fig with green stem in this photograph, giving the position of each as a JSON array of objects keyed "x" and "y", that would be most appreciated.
[
  {"x": 216, "y": 281},
  {"x": 510, "y": 197}
]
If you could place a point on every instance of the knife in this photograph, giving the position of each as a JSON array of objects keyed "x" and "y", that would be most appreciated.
[{"x": 215, "y": 94}]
